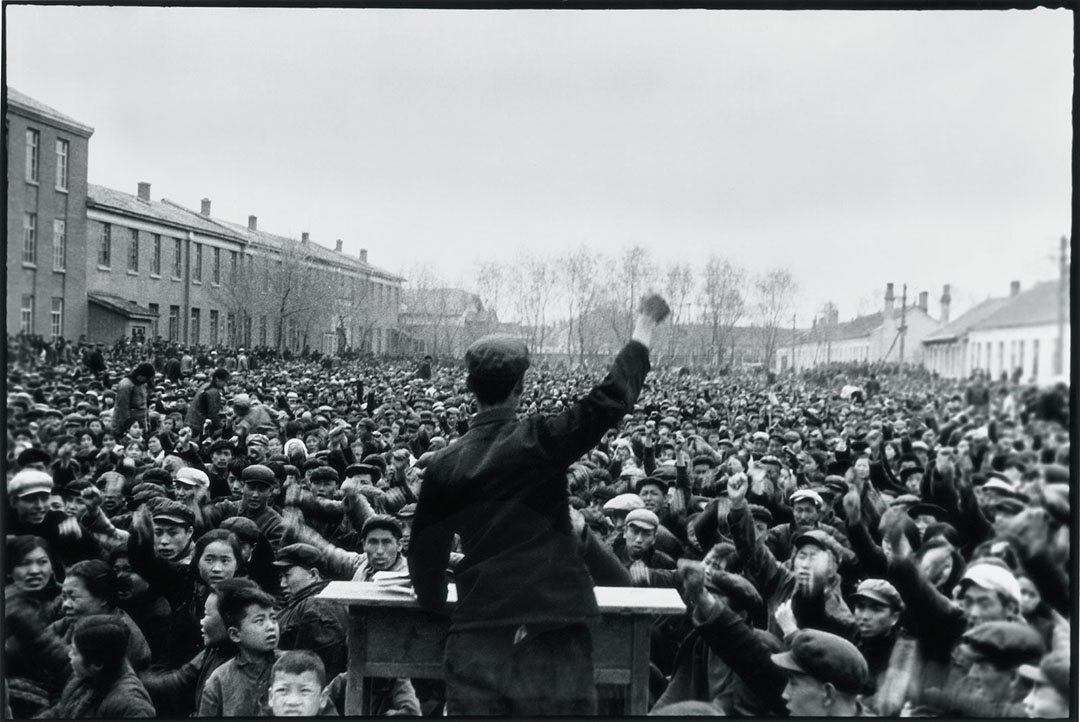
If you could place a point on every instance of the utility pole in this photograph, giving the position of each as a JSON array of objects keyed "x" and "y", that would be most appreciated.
[
  {"x": 792, "y": 344},
  {"x": 903, "y": 326},
  {"x": 1063, "y": 292}
]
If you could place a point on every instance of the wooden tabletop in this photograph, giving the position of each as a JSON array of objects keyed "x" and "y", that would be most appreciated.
[{"x": 611, "y": 600}]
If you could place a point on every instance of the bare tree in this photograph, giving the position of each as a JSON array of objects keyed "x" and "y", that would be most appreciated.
[
  {"x": 533, "y": 282},
  {"x": 775, "y": 294},
  {"x": 491, "y": 278},
  {"x": 723, "y": 302},
  {"x": 679, "y": 284},
  {"x": 579, "y": 282},
  {"x": 634, "y": 275}
]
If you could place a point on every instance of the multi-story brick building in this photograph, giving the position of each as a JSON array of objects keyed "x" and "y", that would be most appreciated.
[
  {"x": 159, "y": 269},
  {"x": 46, "y": 212}
]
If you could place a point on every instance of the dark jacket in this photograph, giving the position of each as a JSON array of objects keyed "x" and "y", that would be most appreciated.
[
  {"x": 502, "y": 487},
  {"x": 123, "y": 697},
  {"x": 315, "y": 625},
  {"x": 205, "y": 405},
  {"x": 176, "y": 692}
]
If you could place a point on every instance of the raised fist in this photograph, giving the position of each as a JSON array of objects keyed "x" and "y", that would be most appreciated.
[{"x": 655, "y": 307}]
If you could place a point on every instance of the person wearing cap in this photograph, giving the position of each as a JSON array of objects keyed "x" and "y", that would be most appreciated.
[
  {"x": 636, "y": 549},
  {"x": 204, "y": 411},
  {"x": 260, "y": 488},
  {"x": 131, "y": 398},
  {"x": 814, "y": 570},
  {"x": 381, "y": 539},
  {"x": 34, "y": 458},
  {"x": 523, "y": 587},
  {"x": 252, "y": 417},
  {"x": 653, "y": 491},
  {"x": 305, "y": 622},
  {"x": 221, "y": 455},
  {"x": 70, "y": 541},
  {"x": 806, "y": 509},
  {"x": 891, "y": 654},
  {"x": 1050, "y": 696}
]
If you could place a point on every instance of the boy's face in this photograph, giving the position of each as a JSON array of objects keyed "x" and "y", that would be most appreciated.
[
  {"x": 296, "y": 695},
  {"x": 258, "y": 630}
]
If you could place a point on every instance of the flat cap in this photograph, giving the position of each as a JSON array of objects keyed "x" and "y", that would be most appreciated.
[
  {"x": 258, "y": 440},
  {"x": 407, "y": 512},
  {"x": 827, "y": 658},
  {"x": 1052, "y": 670},
  {"x": 156, "y": 476},
  {"x": 908, "y": 471},
  {"x": 771, "y": 460},
  {"x": 1005, "y": 644},
  {"x": 623, "y": 502},
  {"x": 245, "y": 529},
  {"x": 29, "y": 481},
  {"x": 757, "y": 511},
  {"x": 643, "y": 518},
  {"x": 382, "y": 521},
  {"x": 821, "y": 539},
  {"x": 258, "y": 473},
  {"x": 993, "y": 577},
  {"x": 221, "y": 445},
  {"x": 926, "y": 509},
  {"x": 497, "y": 356},
  {"x": 193, "y": 477},
  {"x": 299, "y": 555},
  {"x": 656, "y": 481},
  {"x": 33, "y": 455},
  {"x": 879, "y": 591},
  {"x": 173, "y": 511},
  {"x": 354, "y": 469},
  {"x": 324, "y": 473},
  {"x": 810, "y": 494}
]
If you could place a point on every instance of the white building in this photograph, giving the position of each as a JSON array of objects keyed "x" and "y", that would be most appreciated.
[
  {"x": 1022, "y": 331},
  {"x": 872, "y": 338}
]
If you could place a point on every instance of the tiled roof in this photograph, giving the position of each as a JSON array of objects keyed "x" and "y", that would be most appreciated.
[
  {"x": 1035, "y": 307},
  {"x": 961, "y": 325},
  {"x": 162, "y": 211},
  {"x": 124, "y": 307},
  {"x": 14, "y": 97}
]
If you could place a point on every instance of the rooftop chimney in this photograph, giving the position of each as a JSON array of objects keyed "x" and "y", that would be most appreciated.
[
  {"x": 206, "y": 206},
  {"x": 1014, "y": 288},
  {"x": 304, "y": 237},
  {"x": 363, "y": 255},
  {"x": 834, "y": 316},
  {"x": 253, "y": 223},
  {"x": 924, "y": 298},
  {"x": 946, "y": 299},
  {"x": 337, "y": 246},
  {"x": 890, "y": 298},
  {"x": 144, "y": 192}
]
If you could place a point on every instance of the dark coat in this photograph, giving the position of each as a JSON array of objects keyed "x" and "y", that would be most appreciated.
[
  {"x": 502, "y": 487},
  {"x": 319, "y": 626},
  {"x": 124, "y": 697}
]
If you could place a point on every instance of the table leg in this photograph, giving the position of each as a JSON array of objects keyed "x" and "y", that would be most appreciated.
[
  {"x": 355, "y": 699},
  {"x": 639, "y": 667}
]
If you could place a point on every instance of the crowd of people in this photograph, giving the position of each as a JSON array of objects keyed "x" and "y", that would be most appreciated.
[{"x": 846, "y": 541}]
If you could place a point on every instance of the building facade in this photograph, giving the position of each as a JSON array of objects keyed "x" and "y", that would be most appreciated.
[
  {"x": 47, "y": 155},
  {"x": 872, "y": 338}
]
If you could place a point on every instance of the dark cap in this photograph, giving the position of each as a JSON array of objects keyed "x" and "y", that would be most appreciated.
[
  {"x": 880, "y": 591},
  {"x": 258, "y": 473},
  {"x": 324, "y": 473},
  {"x": 221, "y": 445},
  {"x": 757, "y": 511},
  {"x": 157, "y": 476},
  {"x": 1005, "y": 644},
  {"x": 497, "y": 356},
  {"x": 354, "y": 469},
  {"x": 174, "y": 512},
  {"x": 819, "y": 538},
  {"x": 653, "y": 481},
  {"x": 299, "y": 555},
  {"x": 33, "y": 455},
  {"x": 772, "y": 460},
  {"x": 827, "y": 658},
  {"x": 245, "y": 529},
  {"x": 925, "y": 509},
  {"x": 382, "y": 521},
  {"x": 908, "y": 471}
]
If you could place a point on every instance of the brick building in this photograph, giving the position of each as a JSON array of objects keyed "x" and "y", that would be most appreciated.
[{"x": 46, "y": 217}]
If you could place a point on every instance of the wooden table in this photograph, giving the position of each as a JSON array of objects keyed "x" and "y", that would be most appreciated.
[{"x": 390, "y": 636}]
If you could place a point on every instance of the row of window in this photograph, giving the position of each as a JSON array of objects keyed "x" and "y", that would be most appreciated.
[
  {"x": 56, "y": 316},
  {"x": 33, "y": 153},
  {"x": 233, "y": 335},
  {"x": 30, "y": 241},
  {"x": 1016, "y": 355}
]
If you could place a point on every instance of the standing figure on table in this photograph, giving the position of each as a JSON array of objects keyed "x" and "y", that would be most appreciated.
[{"x": 520, "y": 640}]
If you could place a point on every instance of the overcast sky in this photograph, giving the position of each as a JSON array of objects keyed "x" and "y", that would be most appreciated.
[{"x": 853, "y": 148}]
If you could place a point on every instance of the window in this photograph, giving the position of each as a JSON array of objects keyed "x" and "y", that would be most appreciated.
[
  {"x": 29, "y": 238},
  {"x": 105, "y": 254},
  {"x": 59, "y": 244},
  {"x": 230, "y": 329},
  {"x": 1020, "y": 360},
  {"x": 232, "y": 266},
  {"x": 178, "y": 259},
  {"x": 216, "y": 272},
  {"x": 1035, "y": 358},
  {"x": 193, "y": 335},
  {"x": 1001, "y": 356},
  {"x": 56, "y": 318},
  {"x": 61, "y": 165},
  {"x": 154, "y": 329},
  {"x": 26, "y": 314},
  {"x": 155, "y": 256},
  {"x": 174, "y": 323},
  {"x": 262, "y": 330},
  {"x": 33, "y": 138},
  {"x": 247, "y": 330},
  {"x": 133, "y": 252},
  {"x": 214, "y": 321},
  {"x": 196, "y": 271}
]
